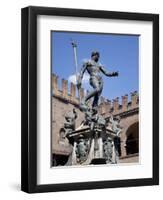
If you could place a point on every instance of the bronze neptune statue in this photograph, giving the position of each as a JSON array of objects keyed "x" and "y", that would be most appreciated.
[{"x": 95, "y": 70}]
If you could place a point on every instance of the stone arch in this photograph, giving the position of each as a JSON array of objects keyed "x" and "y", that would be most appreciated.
[
  {"x": 132, "y": 139},
  {"x": 62, "y": 133},
  {"x": 128, "y": 124}
]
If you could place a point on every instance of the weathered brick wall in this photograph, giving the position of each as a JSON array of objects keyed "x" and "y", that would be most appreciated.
[
  {"x": 59, "y": 109},
  {"x": 62, "y": 103}
]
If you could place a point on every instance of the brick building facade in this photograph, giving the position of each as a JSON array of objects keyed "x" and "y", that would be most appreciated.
[{"x": 64, "y": 101}]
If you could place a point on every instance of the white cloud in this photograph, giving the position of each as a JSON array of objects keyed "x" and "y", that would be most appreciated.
[
  {"x": 85, "y": 80},
  {"x": 72, "y": 78},
  {"x": 85, "y": 60}
]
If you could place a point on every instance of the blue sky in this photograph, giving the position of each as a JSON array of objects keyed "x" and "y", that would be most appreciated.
[{"x": 117, "y": 53}]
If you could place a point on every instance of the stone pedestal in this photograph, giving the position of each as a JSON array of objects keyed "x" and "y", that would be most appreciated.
[{"x": 92, "y": 146}]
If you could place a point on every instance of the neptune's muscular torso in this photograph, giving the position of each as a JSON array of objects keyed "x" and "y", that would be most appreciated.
[{"x": 94, "y": 69}]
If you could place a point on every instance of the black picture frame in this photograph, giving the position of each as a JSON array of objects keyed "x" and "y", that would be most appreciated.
[{"x": 29, "y": 99}]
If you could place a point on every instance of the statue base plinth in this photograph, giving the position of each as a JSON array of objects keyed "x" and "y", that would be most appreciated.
[{"x": 92, "y": 146}]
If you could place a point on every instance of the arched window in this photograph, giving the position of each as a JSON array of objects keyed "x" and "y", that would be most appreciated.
[
  {"x": 62, "y": 134},
  {"x": 132, "y": 142}
]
